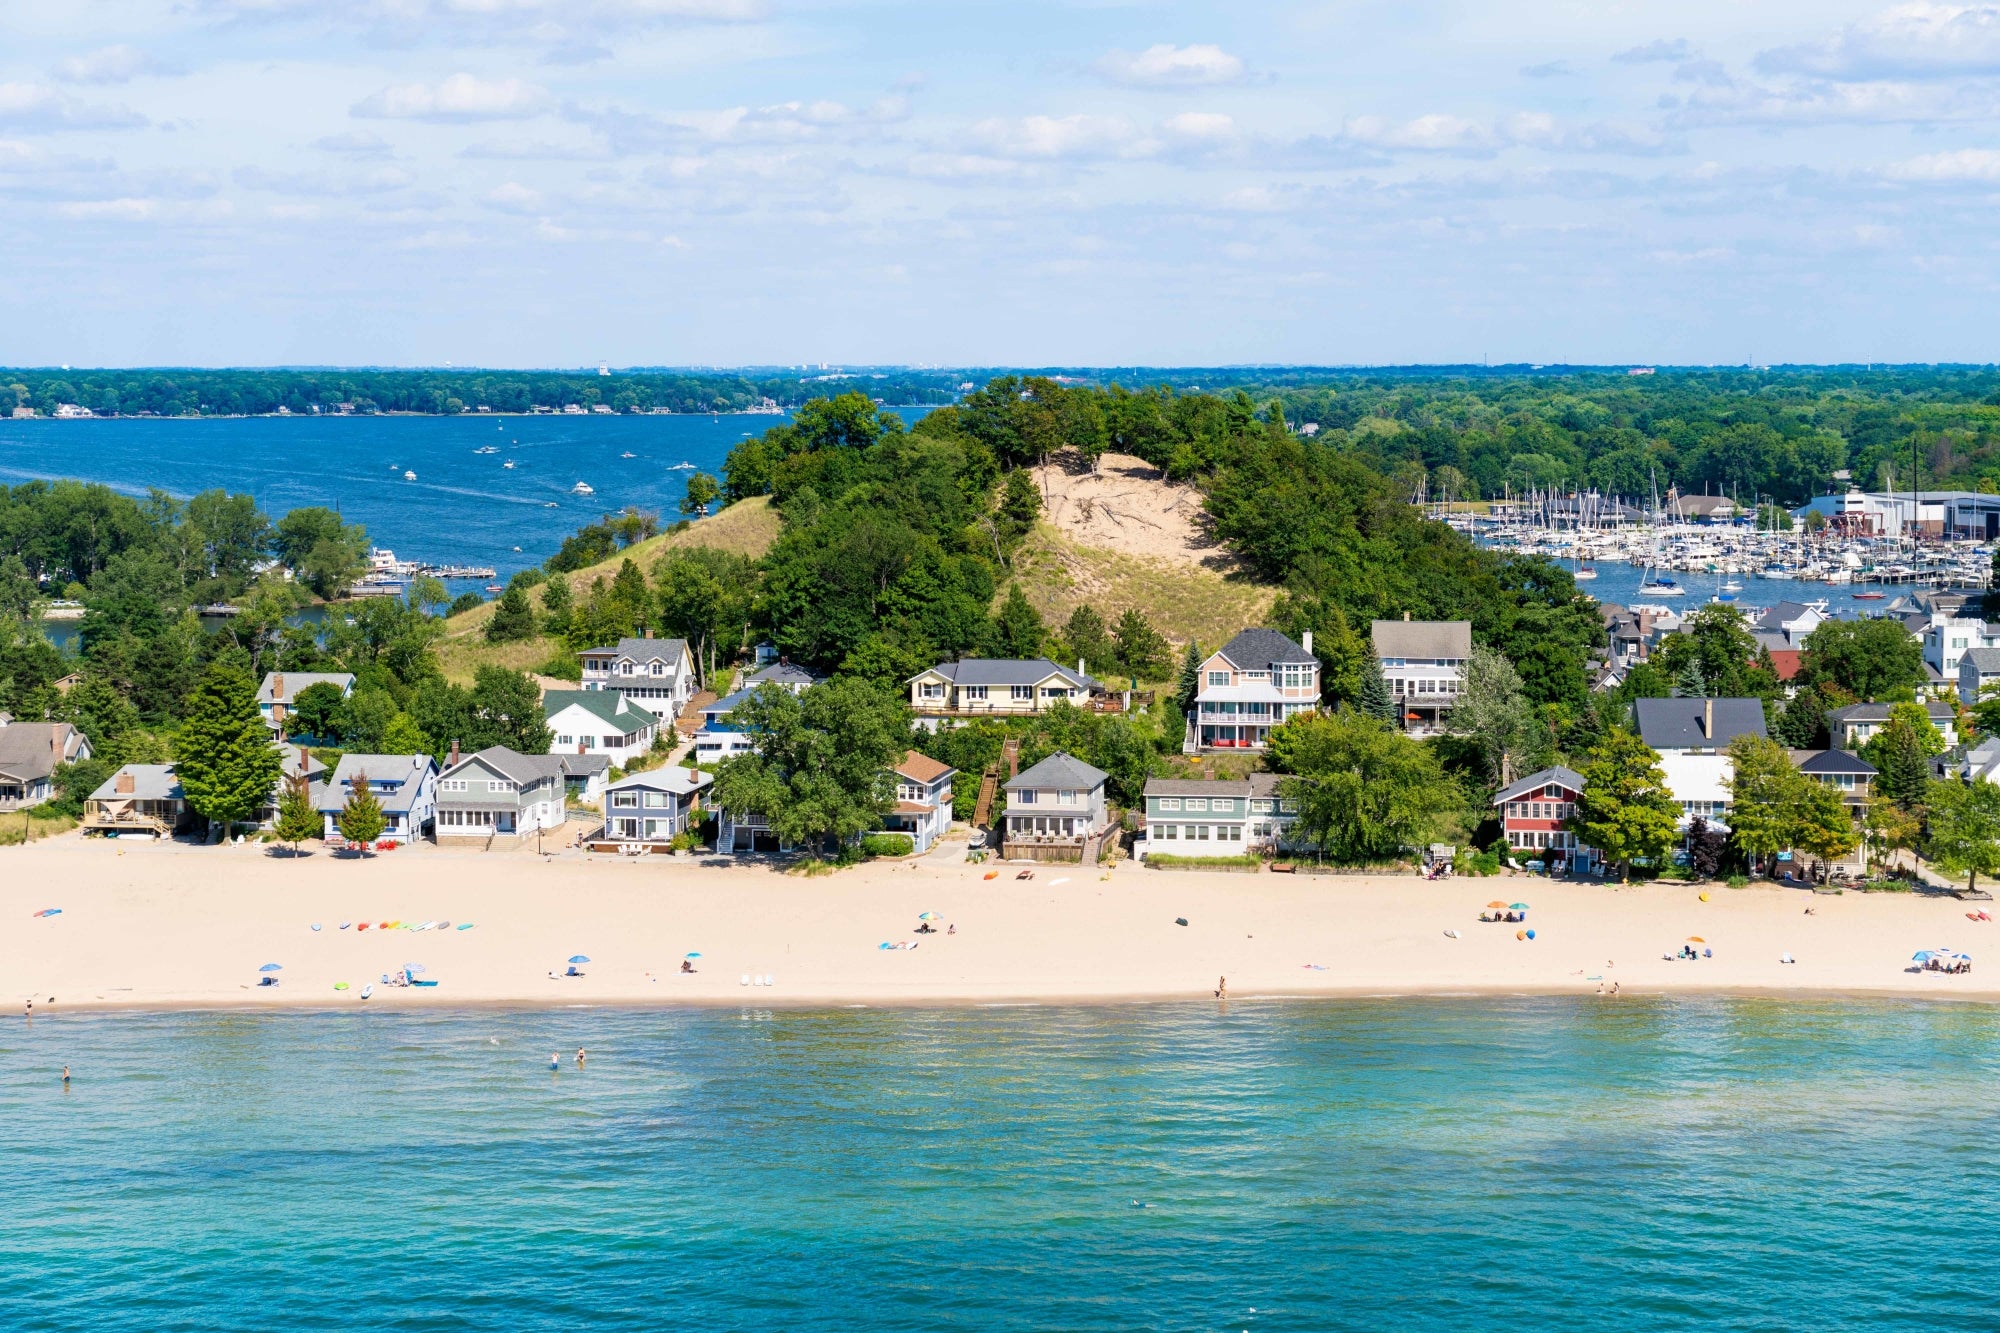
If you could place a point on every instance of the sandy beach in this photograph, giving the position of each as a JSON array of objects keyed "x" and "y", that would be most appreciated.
[{"x": 164, "y": 925}]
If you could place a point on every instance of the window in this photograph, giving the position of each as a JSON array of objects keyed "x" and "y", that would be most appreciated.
[
  {"x": 565, "y": 740},
  {"x": 625, "y": 800},
  {"x": 931, "y": 689},
  {"x": 1026, "y": 796},
  {"x": 1170, "y": 803},
  {"x": 1065, "y": 798},
  {"x": 1197, "y": 803},
  {"x": 1022, "y": 693},
  {"x": 1288, "y": 806},
  {"x": 501, "y": 786},
  {"x": 975, "y": 691},
  {"x": 659, "y": 668},
  {"x": 1055, "y": 692},
  {"x": 656, "y": 800},
  {"x": 1260, "y": 807},
  {"x": 453, "y": 784},
  {"x": 1201, "y": 832},
  {"x": 1171, "y": 832}
]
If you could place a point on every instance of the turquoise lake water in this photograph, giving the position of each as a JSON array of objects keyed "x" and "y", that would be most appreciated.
[{"x": 1448, "y": 1164}]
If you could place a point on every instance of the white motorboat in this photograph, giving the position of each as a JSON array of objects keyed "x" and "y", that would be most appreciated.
[
  {"x": 508, "y": 464},
  {"x": 409, "y": 476},
  {"x": 582, "y": 488}
]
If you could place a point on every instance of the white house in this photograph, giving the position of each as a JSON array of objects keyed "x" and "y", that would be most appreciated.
[
  {"x": 980, "y": 685},
  {"x": 602, "y": 722},
  {"x": 1257, "y": 681},
  {"x": 1947, "y": 639},
  {"x": 280, "y": 688},
  {"x": 1424, "y": 663},
  {"x": 404, "y": 784},
  {"x": 657, "y": 673},
  {"x": 923, "y": 800},
  {"x": 1857, "y": 724},
  {"x": 718, "y": 738},
  {"x": 1692, "y": 737}
]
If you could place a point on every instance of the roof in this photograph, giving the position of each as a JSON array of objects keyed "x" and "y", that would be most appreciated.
[
  {"x": 1983, "y": 659},
  {"x": 781, "y": 673},
  {"x": 1786, "y": 662},
  {"x": 408, "y": 771},
  {"x": 580, "y": 765},
  {"x": 32, "y": 750},
  {"x": 922, "y": 768},
  {"x": 1265, "y": 784},
  {"x": 1446, "y": 639},
  {"x": 1937, "y": 712},
  {"x": 1683, "y": 723},
  {"x": 1823, "y": 762},
  {"x": 297, "y": 683},
  {"x": 1005, "y": 671},
  {"x": 1252, "y": 692},
  {"x": 1262, "y": 648},
  {"x": 150, "y": 782},
  {"x": 1778, "y": 615},
  {"x": 680, "y": 781},
  {"x": 1196, "y": 787},
  {"x": 1562, "y": 777},
  {"x": 1062, "y": 771},
  {"x": 669, "y": 651},
  {"x": 526, "y": 769},
  {"x": 607, "y": 706}
]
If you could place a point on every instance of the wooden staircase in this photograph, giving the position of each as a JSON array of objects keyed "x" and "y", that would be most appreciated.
[{"x": 989, "y": 782}]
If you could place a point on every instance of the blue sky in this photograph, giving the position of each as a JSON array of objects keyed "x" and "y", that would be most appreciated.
[{"x": 555, "y": 182}]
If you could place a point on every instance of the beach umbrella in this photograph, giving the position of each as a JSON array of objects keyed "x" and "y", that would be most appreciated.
[
  {"x": 1696, "y": 939},
  {"x": 1496, "y": 905},
  {"x": 1921, "y": 956},
  {"x": 413, "y": 967},
  {"x": 271, "y": 967},
  {"x": 578, "y": 958},
  {"x": 929, "y": 916},
  {"x": 695, "y": 954},
  {"x": 1517, "y": 907}
]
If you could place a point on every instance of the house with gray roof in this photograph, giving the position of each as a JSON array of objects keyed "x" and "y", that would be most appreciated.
[
  {"x": 139, "y": 799},
  {"x": 30, "y": 753},
  {"x": 782, "y": 674},
  {"x": 500, "y": 793},
  {"x": 1055, "y": 810},
  {"x": 1535, "y": 813},
  {"x": 405, "y": 785},
  {"x": 982, "y": 686},
  {"x": 1697, "y": 726},
  {"x": 645, "y": 812},
  {"x": 599, "y": 722},
  {"x": 1857, "y": 724},
  {"x": 1423, "y": 662},
  {"x": 1978, "y": 670},
  {"x": 658, "y": 674},
  {"x": 1253, "y": 683},
  {"x": 1195, "y": 817},
  {"x": 279, "y": 689}
]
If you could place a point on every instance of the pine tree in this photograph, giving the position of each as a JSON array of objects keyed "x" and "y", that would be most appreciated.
[
  {"x": 297, "y": 820},
  {"x": 361, "y": 819},
  {"x": 1141, "y": 650},
  {"x": 224, "y": 757},
  {"x": 1085, "y": 636},
  {"x": 1021, "y": 631},
  {"x": 1375, "y": 701},
  {"x": 558, "y": 599},
  {"x": 1691, "y": 683},
  {"x": 1189, "y": 686},
  {"x": 513, "y": 620},
  {"x": 1903, "y": 764}
]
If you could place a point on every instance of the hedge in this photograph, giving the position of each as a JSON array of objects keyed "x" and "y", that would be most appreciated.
[
  {"x": 1168, "y": 861},
  {"x": 888, "y": 844}
]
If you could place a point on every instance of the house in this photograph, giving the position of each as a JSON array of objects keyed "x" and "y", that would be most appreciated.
[
  {"x": 1794, "y": 620},
  {"x": 1697, "y": 726},
  {"x": 30, "y": 753},
  {"x": 645, "y": 812},
  {"x": 293, "y": 762},
  {"x": 1854, "y": 778},
  {"x": 719, "y": 738},
  {"x": 1625, "y": 634},
  {"x": 1855, "y": 725},
  {"x": 1255, "y": 682},
  {"x": 782, "y": 674},
  {"x": 1215, "y": 818},
  {"x": 584, "y": 776},
  {"x": 406, "y": 786},
  {"x": 280, "y": 688},
  {"x": 1707, "y": 508},
  {"x": 1424, "y": 663},
  {"x": 923, "y": 800},
  {"x": 1699, "y": 782},
  {"x": 501, "y": 793},
  {"x": 138, "y": 799},
  {"x": 1534, "y": 812},
  {"x": 602, "y": 722},
  {"x": 1977, "y": 670},
  {"x": 980, "y": 685},
  {"x": 1055, "y": 810},
  {"x": 657, "y": 673},
  {"x": 1948, "y": 638}
]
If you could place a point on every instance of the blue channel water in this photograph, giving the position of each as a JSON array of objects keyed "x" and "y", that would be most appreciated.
[
  {"x": 1444, "y": 1164},
  {"x": 464, "y": 508}
]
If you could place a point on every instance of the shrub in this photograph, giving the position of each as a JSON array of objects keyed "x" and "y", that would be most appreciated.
[
  {"x": 1739, "y": 881},
  {"x": 465, "y": 602},
  {"x": 888, "y": 844},
  {"x": 1167, "y": 860}
]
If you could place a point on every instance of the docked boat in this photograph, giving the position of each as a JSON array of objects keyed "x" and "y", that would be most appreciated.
[
  {"x": 1867, "y": 596},
  {"x": 1661, "y": 587},
  {"x": 1584, "y": 575}
]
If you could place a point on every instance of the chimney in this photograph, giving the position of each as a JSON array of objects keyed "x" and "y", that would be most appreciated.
[
  {"x": 124, "y": 787},
  {"x": 277, "y": 688},
  {"x": 1307, "y": 644},
  {"x": 453, "y": 763},
  {"x": 1708, "y": 718},
  {"x": 1406, "y": 617}
]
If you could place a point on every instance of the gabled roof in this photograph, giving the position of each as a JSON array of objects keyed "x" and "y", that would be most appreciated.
[
  {"x": 408, "y": 771},
  {"x": 1449, "y": 640},
  {"x": 298, "y": 682},
  {"x": 1255, "y": 649},
  {"x": 781, "y": 673},
  {"x": 607, "y": 706},
  {"x": 1821, "y": 763},
  {"x": 1937, "y": 712},
  {"x": 1689, "y": 723},
  {"x": 680, "y": 781},
  {"x": 918, "y": 767},
  {"x": 525, "y": 769},
  {"x": 1196, "y": 787},
  {"x": 30, "y": 751},
  {"x": 1560, "y": 776},
  {"x": 1983, "y": 659},
  {"x": 150, "y": 782},
  {"x": 1005, "y": 671},
  {"x": 1776, "y": 617},
  {"x": 669, "y": 651},
  {"x": 1062, "y": 771}
]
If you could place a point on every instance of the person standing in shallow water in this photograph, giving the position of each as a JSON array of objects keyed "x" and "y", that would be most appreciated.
[
  {"x": 1222, "y": 988},
  {"x": 579, "y": 1057},
  {"x": 555, "y": 1060}
]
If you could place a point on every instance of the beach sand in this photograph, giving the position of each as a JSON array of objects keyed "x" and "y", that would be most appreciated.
[{"x": 166, "y": 925}]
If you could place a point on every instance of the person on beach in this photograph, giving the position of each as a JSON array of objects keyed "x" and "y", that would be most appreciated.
[
  {"x": 687, "y": 968},
  {"x": 951, "y": 929},
  {"x": 1222, "y": 988}
]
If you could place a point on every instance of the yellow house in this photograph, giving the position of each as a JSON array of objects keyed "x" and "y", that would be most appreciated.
[{"x": 1002, "y": 686}]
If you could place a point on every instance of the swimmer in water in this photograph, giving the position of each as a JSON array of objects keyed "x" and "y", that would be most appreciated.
[
  {"x": 555, "y": 1060},
  {"x": 579, "y": 1057}
]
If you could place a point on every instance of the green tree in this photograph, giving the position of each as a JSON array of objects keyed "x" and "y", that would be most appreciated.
[
  {"x": 223, "y": 754},
  {"x": 321, "y": 550},
  {"x": 507, "y": 706},
  {"x": 1085, "y": 636},
  {"x": 428, "y": 594},
  {"x": 1141, "y": 651},
  {"x": 1764, "y": 788},
  {"x": 319, "y": 711},
  {"x": 1019, "y": 626},
  {"x": 1823, "y": 829},
  {"x": 1493, "y": 713},
  {"x": 558, "y": 599},
  {"x": 361, "y": 819},
  {"x": 1801, "y": 723},
  {"x": 1365, "y": 791},
  {"x": 1901, "y": 754},
  {"x": 706, "y": 597},
  {"x": 404, "y": 736},
  {"x": 297, "y": 820},
  {"x": 702, "y": 491},
  {"x": 819, "y": 763},
  {"x": 1965, "y": 829},
  {"x": 1375, "y": 700},
  {"x": 1188, "y": 686},
  {"x": 1625, "y": 811},
  {"x": 1869, "y": 659},
  {"x": 513, "y": 620}
]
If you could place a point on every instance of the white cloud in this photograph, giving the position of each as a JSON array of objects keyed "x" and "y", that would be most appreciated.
[
  {"x": 1552, "y": 69},
  {"x": 354, "y": 143},
  {"x": 1079, "y": 136},
  {"x": 38, "y": 106},
  {"x": 1662, "y": 50},
  {"x": 514, "y": 197},
  {"x": 1210, "y": 126},
  {"x": 1910, "y": 41},
  {"x": 1168, "y": 66},
  {"x": 1434, "y": 133},
  {"x": 110, "y": 64},
  {"x": 459, "y": 98},
  {"x": 1965, "y": 164},
  {"x": 534, "y": 150}
]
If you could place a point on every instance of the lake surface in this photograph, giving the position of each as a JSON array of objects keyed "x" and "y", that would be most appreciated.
[
  {"x": 464, "y": 508},
  {"x": 1449, "y": 1164}
]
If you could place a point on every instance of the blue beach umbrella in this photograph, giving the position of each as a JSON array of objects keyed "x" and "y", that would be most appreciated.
[
  {"x": 695, "y": 954},
  {"x": 413, "y": 967},
  {"x": 578, "y": 958},
  {"x": 271, "y": 967}
]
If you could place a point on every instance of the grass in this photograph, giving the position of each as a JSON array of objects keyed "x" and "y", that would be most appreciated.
[
  {"x": 1168, "y": 861},
  {"x": 747, "y": 527},
  {"x": 1183, "y": 601},
  {"x": 28, "y": 826}
]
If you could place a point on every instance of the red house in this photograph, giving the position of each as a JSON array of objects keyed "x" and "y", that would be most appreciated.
[{"x": 1534, "y": 813}]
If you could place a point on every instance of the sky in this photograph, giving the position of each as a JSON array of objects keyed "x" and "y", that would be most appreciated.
[{"x": 1028, "y": 182}]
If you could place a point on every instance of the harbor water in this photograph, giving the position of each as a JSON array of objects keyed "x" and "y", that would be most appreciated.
[{"x": 1460, "y": 1164}]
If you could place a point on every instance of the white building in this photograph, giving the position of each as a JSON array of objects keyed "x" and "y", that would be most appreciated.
[
  {"x": 599, "y": 722},
  {"x": 656, "y": 673}
]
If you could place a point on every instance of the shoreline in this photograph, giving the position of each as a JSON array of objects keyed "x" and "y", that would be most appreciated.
[{"x": 167, "y": 926}]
